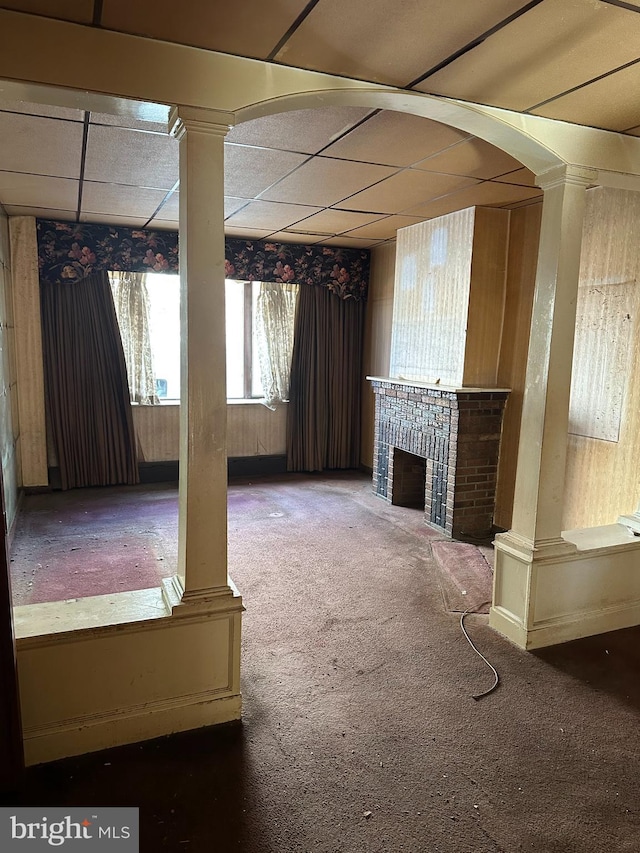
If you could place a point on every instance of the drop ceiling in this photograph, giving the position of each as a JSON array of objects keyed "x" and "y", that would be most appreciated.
[{"x": 340, "y": 175}]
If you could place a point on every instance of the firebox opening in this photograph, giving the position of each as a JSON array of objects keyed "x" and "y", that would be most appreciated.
[{"x": 409, "y": 474}]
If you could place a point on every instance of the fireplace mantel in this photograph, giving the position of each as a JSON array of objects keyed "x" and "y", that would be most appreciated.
[
  {"x": 457, "y": 432},
  {"x": 436, "y": 386}
]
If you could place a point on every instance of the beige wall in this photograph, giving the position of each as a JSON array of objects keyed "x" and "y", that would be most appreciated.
[
  {"x": 377, "y": 337},
  {"x": 253, "y": 430},
  {"x": 9, "y": 427},
  {"x": 603, "y": 461}
]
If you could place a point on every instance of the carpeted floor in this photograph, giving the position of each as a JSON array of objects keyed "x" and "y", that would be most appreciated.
[{"x": 359, "y": 730}]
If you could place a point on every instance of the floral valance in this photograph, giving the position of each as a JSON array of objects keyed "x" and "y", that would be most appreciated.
[
  {"x": 69, "y": 251},
  {"x": 343, "y": 271}
]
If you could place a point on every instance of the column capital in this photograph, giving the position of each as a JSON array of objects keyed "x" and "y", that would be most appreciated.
[
  {"x": 215, "y": 122},
  {"x": 567, "y": 174}
]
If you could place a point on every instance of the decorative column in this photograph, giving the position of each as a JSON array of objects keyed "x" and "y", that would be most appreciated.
[
  {"x": 202, "y": 535},
  {"x": 539, "y": 491}
]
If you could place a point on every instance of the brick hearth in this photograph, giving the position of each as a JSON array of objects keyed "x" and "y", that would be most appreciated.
[{"x": 457, "y": 433}]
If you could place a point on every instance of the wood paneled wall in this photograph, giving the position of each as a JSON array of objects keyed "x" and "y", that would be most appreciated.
[
  {"x": 449, "y": 296},
  {"x": 603, "y": 461},
  {"x": 252, "y": 430},
  {"x": 377, "y": 337},
  {"x": 9, "y": 423},
  {"x": 522, "y": 261}
]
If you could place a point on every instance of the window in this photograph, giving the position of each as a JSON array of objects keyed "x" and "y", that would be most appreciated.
[{"x": 243, "y": 374}]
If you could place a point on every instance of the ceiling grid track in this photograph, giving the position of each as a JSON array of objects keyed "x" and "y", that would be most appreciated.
[
  {"x": 83, "y": 161},
  {"x": 474, "y": 43}
]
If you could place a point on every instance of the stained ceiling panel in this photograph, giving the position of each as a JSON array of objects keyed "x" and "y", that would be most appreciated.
[
  {"x": 249, "y": 171},
  {"x": 474, "y": 157},
  {"x": 404, "y": 190},
  {"x": 42, "y": 146},
  {"x": 605, "y": 103},
  {"x": 120, "y": 200},
  {"x": 243, "y": 27},
  {"x": 554, "y": 47},
  {"x": 395, "y": 139},
  {"x": 151, "y": 159},
  {"x": 307, "y": 131},
  {"x": 323, "y": 181},
  {"x": 80, "y": 11},
  {"x": 388, "y": 41}
]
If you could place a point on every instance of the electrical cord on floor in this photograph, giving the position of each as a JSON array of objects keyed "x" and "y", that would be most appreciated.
[{"x": 479, "y": 696}]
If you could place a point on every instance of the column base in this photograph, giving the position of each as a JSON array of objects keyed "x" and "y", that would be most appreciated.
[{"x": 555, "y": 591}]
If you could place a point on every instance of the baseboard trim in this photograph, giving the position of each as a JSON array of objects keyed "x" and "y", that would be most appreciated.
[
  {"x": 129, "y": 725},
  {"x": 564, "y": 630}
]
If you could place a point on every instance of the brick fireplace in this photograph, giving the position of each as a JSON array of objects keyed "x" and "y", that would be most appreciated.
[{"x": 443, "y": 441}]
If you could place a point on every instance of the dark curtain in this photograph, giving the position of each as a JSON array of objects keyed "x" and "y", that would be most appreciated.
[
  {"x": 87, "y": 394},
  {"x": 323, "y": 417}
]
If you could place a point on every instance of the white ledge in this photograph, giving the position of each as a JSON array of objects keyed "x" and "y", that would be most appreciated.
[{"x": 435, "y": 386}]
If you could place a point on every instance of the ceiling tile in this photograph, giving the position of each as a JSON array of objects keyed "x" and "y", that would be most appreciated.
[
  {"x": 488, "y": 194},
  {"x": 475, "y": 158},
  {"x": 403, "y": 191},
  {"x": 553, "y": 47},
  {"x": 246, "y": 233},
  {"x": 41, "y": 212},
  {"x": 110, "y": 219},
  {"x": 323, "y": 181},
  {"x": 42, "y": 146},
  {"x": 386, "y": 228},
  {"x": 170, "y": 209},
  {"x": 242, "y": 28},
  {"x": 332, "y": 221},
  {"x": 605, "y": 103},
  {"x": 293, "y": 237},
  {"x": 395, "y": 139},
  {"x": 131, "y": 123},
  {"x": 17, "y": 188},
  {"x": 38, "y": 191},
  {"x": 307, "y": 131},
  {"x": 80, "y": 11},
  {"x": 162, "y": 225},
  {"x": 249, "y": 171},
  {"x": 524, "y": 177},
  {"x": 232, "y": 204},
  {"x": 387, "y": 41},
  {"x": 131, "y": 157},
  {"x": 349, "y": 242},
  {"x": 267, "y": 214},
  {"x": 45, "y": 110},
  {"x": 120, "y": 200}
]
